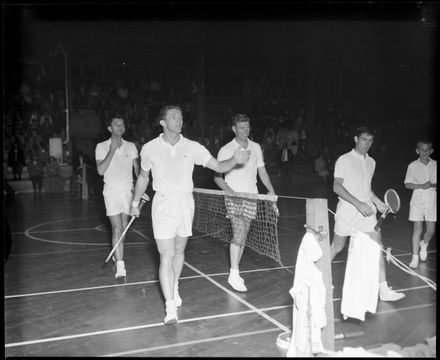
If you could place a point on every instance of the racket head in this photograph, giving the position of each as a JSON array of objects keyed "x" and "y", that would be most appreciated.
[{"x": 392, "y": 199}]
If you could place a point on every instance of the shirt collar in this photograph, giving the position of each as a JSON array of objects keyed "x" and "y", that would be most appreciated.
[
  {"x": 110, "y": 140},
  {"x": 355, "y": 153},
  {"x": 162, "y": 141},
  {"x": 420, "y": 161},
  {"x": 236, "y": 143}
]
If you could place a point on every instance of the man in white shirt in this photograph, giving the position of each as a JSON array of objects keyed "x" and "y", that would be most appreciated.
[
  {"x": 171, "y": 159},
  {"x": 115, "y": 160},
  {"x": 356, "y": 209},
  {"x": 241, "y": 178}
]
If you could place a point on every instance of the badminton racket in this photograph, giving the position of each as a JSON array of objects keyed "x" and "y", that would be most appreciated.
[
  {"x": 392, "y": 200},
  {"x": 144, "y": 199}
]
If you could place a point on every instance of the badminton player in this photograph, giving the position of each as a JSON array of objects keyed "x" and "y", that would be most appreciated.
[
  {"x": 421, "y": 177},
  {"x": 242, "y": 178},
  {"x": 171, "y": 158},
  {"x": 115, "y": 160},
  {"x": 356, "y": 209}
]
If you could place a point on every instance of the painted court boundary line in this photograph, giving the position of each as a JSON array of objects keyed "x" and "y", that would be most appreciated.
[
  {"x": 139, "y": 327},
  {"x": 130, "y": 328},
  {"x": 131, "y": 352},
  {"x": 238, "y": 298},
  {"x": 155, "y": 281},
  {"x": 201, "y": 341},
  {"x": 133, "y": 283}
]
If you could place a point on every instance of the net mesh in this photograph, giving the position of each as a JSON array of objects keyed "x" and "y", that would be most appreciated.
[{"x": 214, "y": 208}]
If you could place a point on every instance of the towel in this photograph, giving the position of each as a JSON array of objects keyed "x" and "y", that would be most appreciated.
[{"x": 361, "y": 283}]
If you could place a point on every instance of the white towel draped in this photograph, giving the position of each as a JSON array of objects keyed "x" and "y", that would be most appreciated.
[{"x": 361, "y": 283}]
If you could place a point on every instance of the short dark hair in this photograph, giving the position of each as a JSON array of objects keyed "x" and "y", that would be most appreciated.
[
  {"x": 111, "y": 118},
  {"x": 424, "y": 141},
  {"x": 163, "y": 111},
  {"x": 240, "y": 118},
  {"x": 363, "y": 130}
]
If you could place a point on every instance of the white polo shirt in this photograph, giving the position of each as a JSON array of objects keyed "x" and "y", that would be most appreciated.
[
  {"x": 357, "y": 172},
  {"x": 119, "y": 173},
  {"x": 172, "y": 165},
  {"x": 242, "y": 178},
  {"x": 419, "y": 173}
]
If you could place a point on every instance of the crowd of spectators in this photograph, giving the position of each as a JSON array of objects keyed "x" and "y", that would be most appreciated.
[{"x": 35, "y": 113}]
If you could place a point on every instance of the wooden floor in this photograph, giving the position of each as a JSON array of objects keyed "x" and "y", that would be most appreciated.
[{"x": 61, "y": 301}]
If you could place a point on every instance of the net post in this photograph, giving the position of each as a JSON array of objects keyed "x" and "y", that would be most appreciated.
[{"x": 317, "y": 217}]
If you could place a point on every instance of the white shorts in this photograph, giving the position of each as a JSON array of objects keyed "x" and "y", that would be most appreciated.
[
  {"x": 426, "y": 212},
  {"x": 172, "y": 214},
  {"x": 348, "y": 220},
  {"x": 117, "y": 200}
]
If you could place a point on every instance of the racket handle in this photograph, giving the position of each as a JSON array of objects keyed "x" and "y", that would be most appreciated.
[
  {"x": 144, "y": 199},
  {"x": 380, "y": 221}
]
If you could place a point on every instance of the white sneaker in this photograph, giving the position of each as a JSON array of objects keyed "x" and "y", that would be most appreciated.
[
  {"x": 171, "y": 317},
  {"x": 388, "y": 294},
  {"x": 120, "y": 270},
  {"x": 177, "y": 298},
  {"x": 423, "y": 250},
  {"x": 414, "y": 262},
  {"x": 236, "y": 283}
]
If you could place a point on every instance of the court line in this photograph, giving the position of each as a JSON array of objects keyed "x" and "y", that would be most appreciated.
[
  {"x": 130, "y": 284},
  {"x": 236, "y": 297},
  {"x": 131, "y": 352},
  {"x": 201, "y": 341},
  {"x": 130, "y": 328},
  {"x": 103, "y": 332},
  {"x": 155, "y": 281}
]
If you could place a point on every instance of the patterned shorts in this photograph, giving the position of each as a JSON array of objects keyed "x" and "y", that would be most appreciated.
[{"x": 241, "y": 208}]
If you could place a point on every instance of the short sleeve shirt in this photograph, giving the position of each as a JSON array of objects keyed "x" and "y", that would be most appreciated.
[
  {"x": 120, "y": 171},
  {"x": 242, "y": 177},
  {"x": 172, "y": 165},
  {"x": 419, "y": 173},
  {"x": 357, "y": 172}
]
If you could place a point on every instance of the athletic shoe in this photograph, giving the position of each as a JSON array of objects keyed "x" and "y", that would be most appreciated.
[
  {"x": 177, "y": 298},
  {"x": 236, "y": 283},
  {"x": 171, "y": 317},
  {"x": 120, "y": 270},
  {"x": 414, "y": 262},
  {"x": 387, "y": 294},
  {"x": 423, "y": 250}
]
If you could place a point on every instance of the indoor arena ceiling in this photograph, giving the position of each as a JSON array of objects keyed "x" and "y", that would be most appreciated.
[{"x": 94, "y": 33}]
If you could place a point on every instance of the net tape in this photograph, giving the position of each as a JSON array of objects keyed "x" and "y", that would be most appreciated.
[{"x": 213, "y": 209}]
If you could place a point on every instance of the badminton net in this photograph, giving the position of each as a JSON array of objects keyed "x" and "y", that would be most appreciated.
[{"x": 213, "y": 218}]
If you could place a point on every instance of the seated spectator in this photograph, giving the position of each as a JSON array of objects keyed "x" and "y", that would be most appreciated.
[
  {"x": 16, "y": 160},
  {"x": 53, "y": 183},
  {"x": 43, "y": 155},
  {"x": 36, "y": 173},
  {"x": 46, "y": 131},
  {"x": 46, "y": 117},
  {"x": 321, "y": 167}
]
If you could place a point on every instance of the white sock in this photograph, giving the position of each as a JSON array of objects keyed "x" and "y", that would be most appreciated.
[
  {"x": 415, "y": 257},
  {"x": 234, "y": 271},
  {"x": 170, "y": 303},
  {"x": 383, "y": 286},
  {"x": 121, "y": 263}
]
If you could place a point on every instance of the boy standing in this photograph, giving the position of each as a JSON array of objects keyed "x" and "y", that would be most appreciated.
[{"x": 421, "y": 177}]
